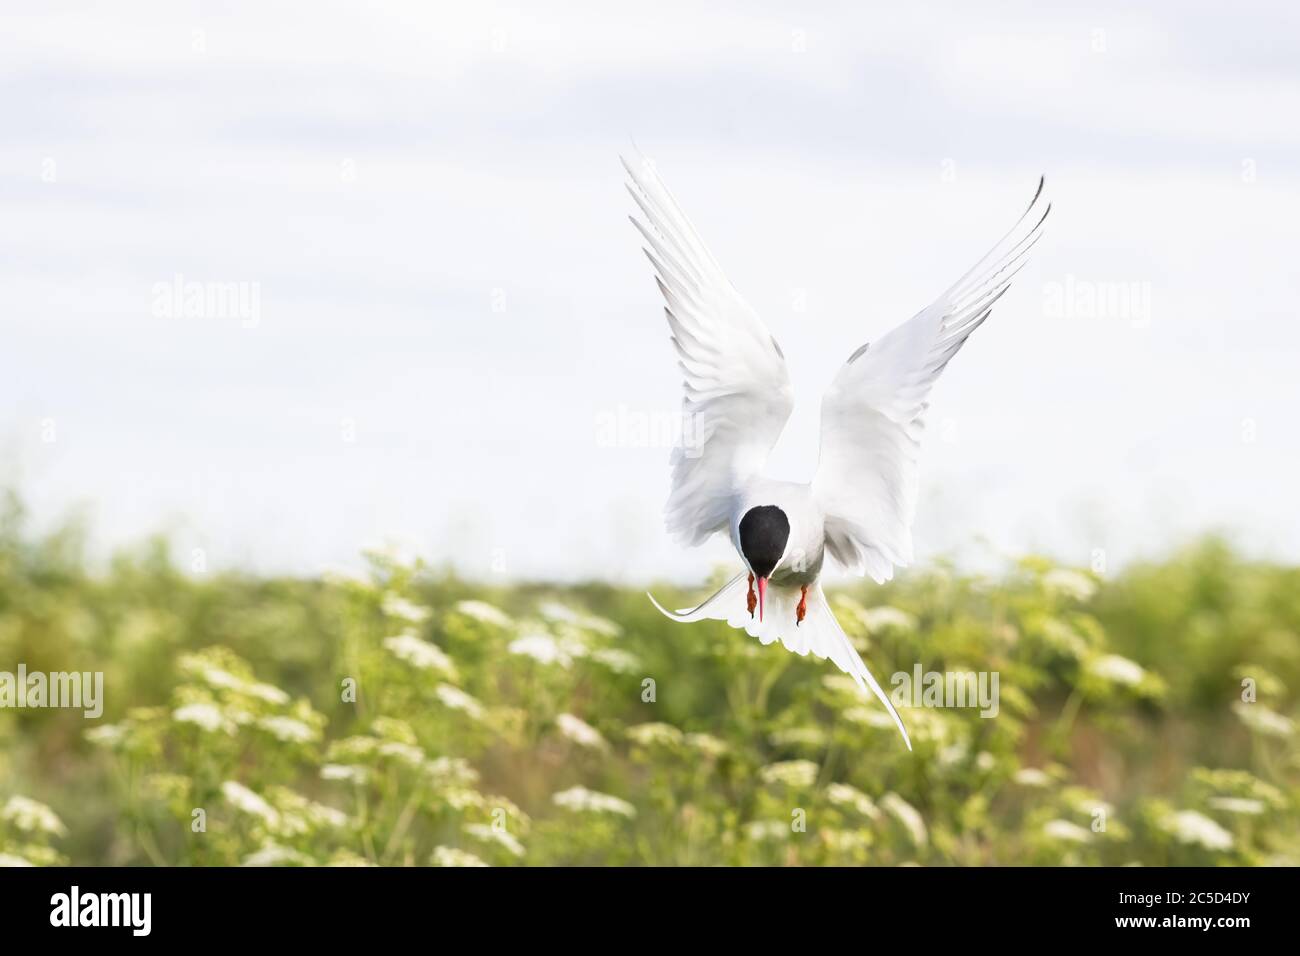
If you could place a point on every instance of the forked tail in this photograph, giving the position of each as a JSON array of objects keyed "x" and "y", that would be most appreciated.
[{"x": 819, "y": 633}]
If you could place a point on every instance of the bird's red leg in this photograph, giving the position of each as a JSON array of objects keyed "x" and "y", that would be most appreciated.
[
  {"x": 752, "y": 601},
  {"x": 801, "y": 611}
]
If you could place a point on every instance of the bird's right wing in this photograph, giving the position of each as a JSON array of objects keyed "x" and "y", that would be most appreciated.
[
  {"x": 737, "y": 389},
  {"x": 866, "y": 482}
]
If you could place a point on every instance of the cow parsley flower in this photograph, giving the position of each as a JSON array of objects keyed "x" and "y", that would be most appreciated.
[
  {"x": 1117, "y": 670},
  {"x": 457, "y": 699},
  {"x": 484, "y": 613},
  {"x": 394, "y": 605},
  {"x": 1241, "y": 805},
  {"x": 580, "y": 799},
  {"x": 450, "y": 856},
  {"x": 503, "y": 838},
  {"x": 289, "y": 729},
  {"x": 421, "y": 654},
  {"x": 580, "y": 732},
  {"x": 791, "y": 773},
  {"x": 207, "y": 717},
  {"x": 32, "y": 816},
  {"x": 349, "y": 772},
  {"x": 908, "y": 816},
  {"x": 654, "y": 734},
  {"x": 846, "y": 795},
  {"x": 1070, "y": 583},
  {"x": 1188, "y": 826},
  {"x": 544, "y": 649},
  {"x": 246, "y": 801},
  {"x": 1066, "y": 831}
]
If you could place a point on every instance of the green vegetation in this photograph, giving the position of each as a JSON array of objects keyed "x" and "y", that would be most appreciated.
[{"x": 512, "y": 725}]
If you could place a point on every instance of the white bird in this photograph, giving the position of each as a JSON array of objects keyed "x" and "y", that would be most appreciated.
[{"x": 861, "y": 501}]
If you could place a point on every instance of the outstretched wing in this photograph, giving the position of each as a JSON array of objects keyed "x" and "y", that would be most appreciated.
[
  {"x": 866, "y": 480},
  {"x": 737, "y": 389}
]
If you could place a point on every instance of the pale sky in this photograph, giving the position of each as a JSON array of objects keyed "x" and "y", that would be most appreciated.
[{"x": 422, "y": 204}]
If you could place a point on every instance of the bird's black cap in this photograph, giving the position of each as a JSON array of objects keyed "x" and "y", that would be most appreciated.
[{"x": 764, "y": 532}]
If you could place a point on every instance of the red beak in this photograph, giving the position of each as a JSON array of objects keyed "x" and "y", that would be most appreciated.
[{"x": 762, "y": 593}]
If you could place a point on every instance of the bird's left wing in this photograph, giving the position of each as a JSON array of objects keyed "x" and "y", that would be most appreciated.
[
  {"x": 737, "y": 389},
  {"x": 866, "y": 481}
]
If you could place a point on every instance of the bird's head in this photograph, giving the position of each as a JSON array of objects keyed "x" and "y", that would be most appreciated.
[{"x": 764, "y": 535}]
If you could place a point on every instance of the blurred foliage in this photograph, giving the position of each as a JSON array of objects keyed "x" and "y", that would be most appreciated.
[{"x": 407, "y": 717}]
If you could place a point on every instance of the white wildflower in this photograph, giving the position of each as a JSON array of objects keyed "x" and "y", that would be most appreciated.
[
  {"x": 885, "y": 618},
  {"x": 872, "y": 717},
  {"x": 791, "y": 773},
  {"x": 760, "y": 830},
  {"x": 289, "y": 729},
  {"x": 1070, "y": 583},
  {"x": 209, "y": 717},
  {"x": 599, "y": 625},
  {"x": 408, "y": 754},
  {"x": 108, "y": 735},
  {"x": 617, "y": 660},
  {"x": 655, "y": 733},
  {"x": 323, "y": 815},
  {"x": 420, "y": 654},
  {"x": 841, "y": 684},
  {"x": 463, "y": 798},
  {"x": 1262, "y": 720},
  {"x": 32, "y": 816},
  {"x": 543, "y": 648},
  {"x": 580, "y": 732},
  {"x": 246, "y": 801},
  {"x": 846, "y": 795},
  {"x": 450, "y": 856},
  {"x": 1066, "y": 831},
  {"x": 349, "y": 772},
  {"x": 582, "y": 799},
  {"x": 1117, "y": 670},
  {"x": 451, "y": 771},
  {"x": 485, "y": 613},
  {"x": 1032, "y": 777},
  {"x": 222, "y": 679},
  {"x": 1188, "y": 826},
  {"x": 908, "y": 816},
  {"x": 707, "y": 744},
  {"x": 503, "y": 838},
  {"x": 560, "y": 613},
  {"x": 1243, "y": 805},
  {"x": 273, "y": 854},
  {"x": 846, "y": 841},
  {"x": 798, "y": 736},
  {"x": 394, "y": 605},
  {"x": 457, "y": 699}
]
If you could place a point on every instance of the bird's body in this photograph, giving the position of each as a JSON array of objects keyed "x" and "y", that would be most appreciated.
[
  {"x": 860, "y": 504},
  {"x": 806, "y": 546}
]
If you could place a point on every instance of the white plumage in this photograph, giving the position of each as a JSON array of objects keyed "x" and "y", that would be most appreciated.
[{"x": 860, "y": 505}]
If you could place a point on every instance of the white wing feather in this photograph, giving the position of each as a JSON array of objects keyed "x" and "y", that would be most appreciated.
[
  {"x": 866, "y": 480},
  {"x": 737, "y": 389}
]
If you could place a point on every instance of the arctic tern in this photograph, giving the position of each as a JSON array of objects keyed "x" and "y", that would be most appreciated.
[{"x": 860, "y": 504}]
